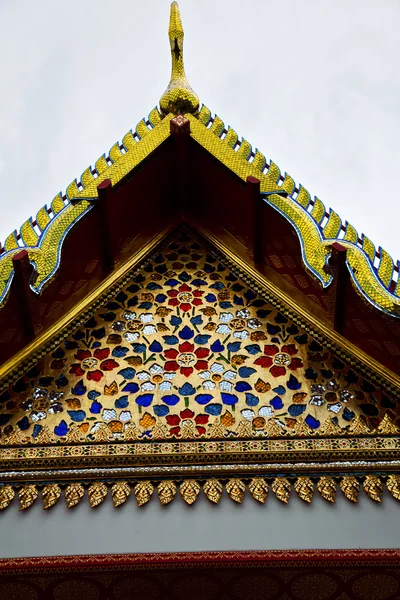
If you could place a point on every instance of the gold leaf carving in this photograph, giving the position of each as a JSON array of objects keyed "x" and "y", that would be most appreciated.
[
  {"x": 97, "y": 493},
  {"x": 131, "y": 432},
  {"x": 166, "y": 491},
  {"x": 143, "y": 492},
  {"x": 374, "y": 487},
  {"x": 359, "y": 426},
  {"x": 327, "y": 488},
  {"x": 301, "y": 428},
  {"x": 329, "y": 428},
  {"x": 27, "y": 496},
  {"x": 386, "y": 426},
  {"x": 304, "y": 488},
  {"x": 73, "y": 494},
  {"x": 50, "y": 495},
  {"x": 6, "y": 496},
  {"x": 74, "y": 435},
  {"x": 236, "y": 489},
  {"x": 189, "y": 490},
  {"x": 350, "y": 487},
  {"x": 103, "y": 434},
  {"x": 273, "y": 429},
  {"x": 393, "y": 485},
  {"x": 216, "y": 430},
  {"x": 120, "y": 492},
  {"x": 160, "y": 432},
  {"x": 213, "y": 490},
  {"x": 244, "y": 429},
  {"x": 281, "y": 488},
  {"x": 44, "y": 437},
  {"x": 259, "y": 489}
]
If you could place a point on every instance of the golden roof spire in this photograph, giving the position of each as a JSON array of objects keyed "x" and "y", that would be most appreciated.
[{"x": 179, "y": 96}]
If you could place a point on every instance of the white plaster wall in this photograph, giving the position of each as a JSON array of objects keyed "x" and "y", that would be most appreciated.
[{"x": 203, "y": 526}]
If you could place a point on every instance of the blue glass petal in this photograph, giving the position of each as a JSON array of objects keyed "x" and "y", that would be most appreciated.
[
  {"x": 153, "y": 286},
  {"x": 279, "y": 390},
  {"x": 61, "y": 381},
  {"x": 187, "y": 389},
  {"x": 218, "y": 285},
  {"x": 234, "y": 346},
  {"x": 139, "y": 348},
  {"x": 155, "y": 346},
  {"x": 145, "y": 399},
  {"x": 242, "y": 386},
  {"x": 250, "y": 295},
  {"x": 276, "y": 402},
  {"x": 226, "y": 305},
  {"x": 127, "y": 373},
  {"x": 211, "y": 298},
  {"x": 238, "y": 300},
  {"x": 213, "y": 409},
  {"x": 171, "y": 399},
  {"x": 197, "y": 320},
  {"x": 184, "y": 276},
  {"x": 203, "y": 398},
  {"x": 348, "y": 415},
  {"x": 160, "y": 298},
  {"x": 186, "y": 333},
  {"x": 36, "y": 430},
  {"x": 293, "y": 383},
  {"x": 119, "y": 351},
  {"x": 145, "y": 305},
  {"x": 198, "y": 282},
  {"x": 79, "y": 389},
  {"x": 172, "y": 282},
  {"x": 251, "y": 399},
  {"x": 96, "y": 407},
  {"x": 61, "y": 429},
  {"x": 273, "y": 329},
  {"x": 131, "y": 388},
  {"x": 295, "y": 410},
  {"x": 246, "y": 372},
  {"x": 77, "y": 415},
  {"x": 4, "y": 419},
  {"x": 312, "y": 422},
  {"x": 253, "y": 348},
  {"x": 175, "y": 321},
  {"x": 160, "y": 410},
  {"x": 217, "y": 346},
  {"x": 229, "y": 399},
  {"x": 170, "y": 340},
  {"x": 201, "y": 339},
  {"x": 122, "y": 402}
]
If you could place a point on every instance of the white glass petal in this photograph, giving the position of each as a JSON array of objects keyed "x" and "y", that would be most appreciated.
[
  {"x": 143, "y": 375},
  {"x": 205, "y": 374},
  {"x": 131, "y": 336},
  {"x": 147, "y": 387},
  {"x": 129, "y": 315},
  {"x": 243, "y": 313},
  {"x": 335, "y": 408},
  {"x": 154, "y": 369},
  {"x": 208, "y": 385},
  {"x": 225, "y": 386},
  {"x": 146, "y": 317},
  {"x": 149, "y": 329},
  {"x": 224, "y": 329},
  {"x": 217, "y": 368},
  {"x": 266, "y": 411},
  {"x": 125, "y": 416},
  {"x": 248, "y": 414},
  {"x": 165, "y": 386},
  {"x": 231, "y": 375},
  {"x": 241, "y": 335},
  {"x": 225, "y": 317},
  {"x": 169, "y": 375},
  {"x": 109, "y": 414}
]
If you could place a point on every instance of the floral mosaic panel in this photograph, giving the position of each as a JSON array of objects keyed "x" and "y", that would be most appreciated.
[{"x": 186, "y": 350}]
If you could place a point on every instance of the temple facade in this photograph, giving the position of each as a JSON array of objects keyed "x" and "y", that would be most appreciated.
[{"x": 199, "y": 380}]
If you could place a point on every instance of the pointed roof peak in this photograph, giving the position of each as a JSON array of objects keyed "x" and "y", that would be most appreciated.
[{"x": 179, "y": 96}]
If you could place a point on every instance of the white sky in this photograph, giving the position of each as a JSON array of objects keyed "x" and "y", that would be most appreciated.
[{"x": 314, "y": 84}]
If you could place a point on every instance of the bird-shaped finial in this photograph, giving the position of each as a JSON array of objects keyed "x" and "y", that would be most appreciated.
[{"x": 179, "y": 96}]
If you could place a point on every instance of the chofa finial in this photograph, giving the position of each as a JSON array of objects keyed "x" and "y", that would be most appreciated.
[{"x": 179, "y": 96}]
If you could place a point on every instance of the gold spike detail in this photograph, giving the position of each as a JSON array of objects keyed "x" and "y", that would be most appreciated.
[
  {"x": 274, "y": 172},
  {"x": 333, "y": 225},
  {"x": 368, "y": 247},
  {"x": 281, "y": 488},
  {"x": 11, "y": 242},
  {"x": 350, "y": 487},
  {"x": 259, "y": 161},
  {"x": 329, "y": 428},
  {"x": 301, "y": 428},
  {"x": 120, "y": 493},
  {"x": 57, "y": 204},
  {"x": 87, "y": 177},
  {"x": 351, "y": 234},
  {"x": 101, "y": 165},
  {"x": 236, "y": 489},
  {"x": 155, "y": 117},
  {"x": 50, "y": 495},
  {"x": 189, "y": 490},
  {"x": 7, "y": 494},
  {"x": 213, "y": 490},
  {"x": 216, "y": 430},
  {"x": 27, "y": 496},
  {"x": 258, "y": 488},
  {"x": 179, "y": 96},
  {"x": 205, "y": 115},
  {"x": 115, "y": 152},
  {"x": 359, "y": 426},
  {"x": 141, "y": 129},
  {"x": 72, "y": 190},
  {"x": 73, "y": 494},
  {"x": 386, "y": 426},
  {"x": 166, "y": 491},
  {"x": 42, "y": 218},
  {"x": 231, "y": 138},
  {"x": 303, "y": 197},
  {"x": 318, "y": 210},
  {"x": 304, "y": 488},
  {"x": 143, "y": 492},
  {"x": 218, "y": 126},
  {"x": 273, "y": 429},
  {"x": 97, "y": 493},
  {"x": 393, "y": 485},
  {"x": 245, "y": 149},
  {"x": 28, "y": 234},
  {"x": 129, "y": 141},
  {"x": 374, "y": 487},
  {"x": 327, "y": 488},
  {"x": 288, "y": 184}
]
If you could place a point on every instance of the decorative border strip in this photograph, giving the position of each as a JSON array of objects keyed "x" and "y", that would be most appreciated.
[{"x": 213, "y": 488}]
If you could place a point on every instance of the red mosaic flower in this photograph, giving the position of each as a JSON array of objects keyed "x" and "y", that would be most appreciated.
[
  {"x": 186, "y": 359},
  {"x": 277, "y": 360},
  {"x": 89, "y": 361},
  {"x": 185, "y": 297},
  {"x": 186, "y": 416}
]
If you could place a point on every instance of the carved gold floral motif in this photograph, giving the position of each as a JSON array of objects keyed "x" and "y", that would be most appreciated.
[
  {"x": 120, "y": 492},
  {"x": 73, "y": 494},
  {"x": 281, "y": 488},
  {"x": 374, "y": 487},
  {"x": 304, "y": 488},
  {"x": 393, "y": 485},
  {"x": 213, "y": 490},
  {"x": 27, "y": 496},
  {"x": 166, "y": 491},
  {"x": 6, "y": 496},
  {"x": 143, "y": 492},
  {"x": 236, "y": 489},
  {"x": 327, "y": 488},
  {"x": 97, "y": 493},
  {"x": 50, "y": 495},
  {"x": 350, "y": 487},
  {"x": 189, "y": 490},
  {"x": 258, "y": 488}
]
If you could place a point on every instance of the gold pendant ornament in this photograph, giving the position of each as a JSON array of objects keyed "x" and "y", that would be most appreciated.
[
  {"x": 304, "y": 488},
  {"x": 166, "y": 492},
  {"x": 281, "y": 488},
  {"x": 393, "y": 485},
  {"x": 236, "y": 489},
  {"x": 213, "y": 490},
  {"x": 143, "y": 492},
  {"x": 27, "y": 496},
  {"x": 73, "y": 494},
  {"x": 97, "y": 493},
  {"x": 327, "y": 488},
  {"x": 189, "y": 490},
  {"x": 6, "y": 496},
  {"x": 350, "y": 487},
  {"x": 50, "y": 495},
  {"x": 374, "y": 487},
  {"x": 258, "y": 488},
  {"x": 120, "y": 492}
]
